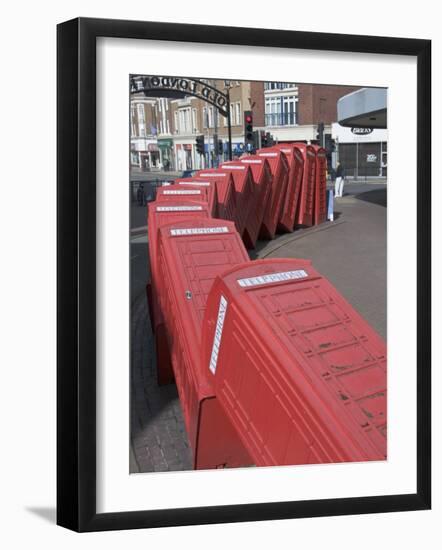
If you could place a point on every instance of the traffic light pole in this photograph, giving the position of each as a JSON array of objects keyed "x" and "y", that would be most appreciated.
[
  {"x": 208, "y": 138},
  {"x": 229, "y": 125}
]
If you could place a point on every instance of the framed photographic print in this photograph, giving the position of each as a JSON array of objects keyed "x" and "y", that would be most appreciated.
[{"x": 243, "y": 274}]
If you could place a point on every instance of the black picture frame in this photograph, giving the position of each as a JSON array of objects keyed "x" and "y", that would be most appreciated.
[{"x": 76, "y": 273}]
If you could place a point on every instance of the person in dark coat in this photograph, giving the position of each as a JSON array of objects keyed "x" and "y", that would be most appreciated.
[{"x": 140, "y": 195}]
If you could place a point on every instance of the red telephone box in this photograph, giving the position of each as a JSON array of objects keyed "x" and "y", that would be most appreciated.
[
  {"x": 320, "y": 202},
  {"x": 161, "y": 213},
  {"x": 262, "y": 181},
  {"x": 304, "y": 215},
  {"x": 191, "y": 255},
  {"x": 300, "y": 374},
  {"x": 280, "y": 172},
  {"x": 296, "y": 169}
]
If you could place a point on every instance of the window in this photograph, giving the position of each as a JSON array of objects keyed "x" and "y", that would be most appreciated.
[
  {"x": 278, "y": 85},
  {"x": 183, "y": 121},
  {"x": 208, "y": 117},
  {"x": 140, "y": 111},
  {"x": 238, "y": 113},
  {"x": 280, "y": 110},
  {"x": 194, "y": 121},
  {"x": 133, "y": 125}
]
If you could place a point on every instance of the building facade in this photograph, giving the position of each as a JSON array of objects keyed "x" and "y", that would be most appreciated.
[
  {"x": 164, "y": 130},
  {"x": 362, "y": 155}
]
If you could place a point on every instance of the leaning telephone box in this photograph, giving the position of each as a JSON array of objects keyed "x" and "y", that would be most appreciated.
[
  {"x": 160, "y": 213},
  {"x": 207, "y": 190},
  {"x": 261, "y": 178},
  {"x": 300, "y": 374},
  {"x": 280, "y": 171},
  {"x": 296, "y": 169},
  {"x": 304, "y": 215},
  {"x": 225, "y": 191},
  {"x": 244, "y": 187},
  {"x": 191, "y": 255},
  {"x": 174, "y": 192},
  {"x": 320, "y": 202}
]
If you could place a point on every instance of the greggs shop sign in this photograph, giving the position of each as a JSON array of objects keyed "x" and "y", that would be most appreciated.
[{"x": 184, "y": 85}]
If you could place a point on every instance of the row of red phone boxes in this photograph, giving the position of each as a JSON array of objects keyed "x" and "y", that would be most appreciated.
[
  {"x": 272, "y": 365},
  {"x": 275, "y": 190}
]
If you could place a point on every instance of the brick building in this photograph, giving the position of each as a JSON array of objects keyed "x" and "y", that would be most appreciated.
[{"x": 164, "y": 130}]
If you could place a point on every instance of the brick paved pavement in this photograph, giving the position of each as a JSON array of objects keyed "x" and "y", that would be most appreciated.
[{"x": 159, "y": 440}]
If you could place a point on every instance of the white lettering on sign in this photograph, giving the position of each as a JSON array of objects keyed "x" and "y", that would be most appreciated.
[
  {"x": 199, "y": 230},
  {"x": 233, "y": 167},
  {"x": 200, "y": 183},
  {"x": 178, "y": 208},
  {"x": 252, "y": 161},
  {"x": 213, "y": 175},
  {"x": 268, "y": 154},
  {"x": 218, "y": 333},
  {"x": 372, "y": 158},
  {"x": 182, "y": 192},
  {"x": 273, "y": 278}
]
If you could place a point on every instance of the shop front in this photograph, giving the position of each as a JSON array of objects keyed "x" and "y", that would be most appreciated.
[{"x": 167, "y": 159}]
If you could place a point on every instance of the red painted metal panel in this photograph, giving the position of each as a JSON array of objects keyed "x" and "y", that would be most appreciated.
[
  {"x": 245, "y": 196},
  {"x": 296, "y": 170},
  {"x": 191, "y": 255},
  {"x": 262, "y": 180},
  {"x": 300, "y": 374},
  {"x": 160, "y": 213},
  {"x": 174, "y": 192},
  {"x": 225, "y": 191},
  {"x": 320, "y": 203},
  {"x": 243, "y": 183},
  {"x": 280, "y": 172},
  {"x": 304, "y": 215},
  {"x": 209, "y": 190}
]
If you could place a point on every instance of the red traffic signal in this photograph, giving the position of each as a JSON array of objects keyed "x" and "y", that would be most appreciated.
[{"x": 248, "y": 127}]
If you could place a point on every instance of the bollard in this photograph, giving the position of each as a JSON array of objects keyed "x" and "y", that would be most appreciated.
[{"x": 330, "y": 216}]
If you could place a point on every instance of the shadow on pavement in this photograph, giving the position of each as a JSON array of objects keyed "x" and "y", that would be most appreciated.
[
  {"x": 46, "y": 513},
  {"x": 377, "y": 196}
]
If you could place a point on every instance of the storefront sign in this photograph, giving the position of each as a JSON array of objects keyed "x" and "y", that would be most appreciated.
[
  {"x": 362, "y": 131},
  {"x": 165, "y": 143}
]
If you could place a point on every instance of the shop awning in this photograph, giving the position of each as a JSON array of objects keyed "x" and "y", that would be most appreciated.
[{"x": 365, "y": 108}]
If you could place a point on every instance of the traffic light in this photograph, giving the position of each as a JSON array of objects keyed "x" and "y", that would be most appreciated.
[
  {"x": 200, "y": 144},
  {"x": 329, "y": 143},
  {"x": 248, "y": 127},
  {"x": 220, "y": 147},
  {"x": 320, "y": 134},
  {"x": 267, "y": 139},
  {"x": 263, "y": 139}
]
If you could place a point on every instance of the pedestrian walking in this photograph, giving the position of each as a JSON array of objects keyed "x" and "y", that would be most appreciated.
[
  {"x": 339, "y": 182},
  {"x": 140, "y": 195}
]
